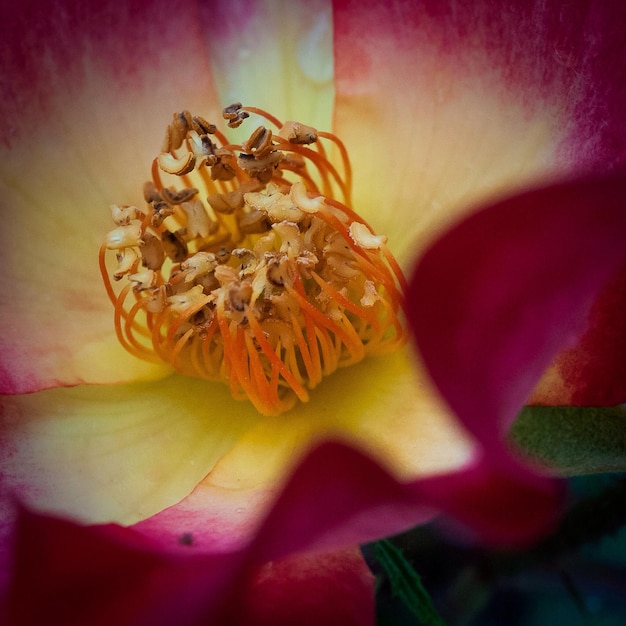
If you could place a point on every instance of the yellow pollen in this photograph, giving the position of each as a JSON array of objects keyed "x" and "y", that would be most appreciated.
[{"x": 246, "y": 264}]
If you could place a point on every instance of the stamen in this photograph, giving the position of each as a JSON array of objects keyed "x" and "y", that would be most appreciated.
[{"x": 247, "y": 265}]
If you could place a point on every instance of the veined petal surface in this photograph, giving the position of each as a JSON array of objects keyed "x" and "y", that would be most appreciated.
[
  {"x": 447, "y": 105},
  {"x": 476, "y": 128},
  {"x": 88, "y": 94}
]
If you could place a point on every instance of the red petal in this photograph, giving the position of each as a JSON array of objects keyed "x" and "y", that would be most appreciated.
[
  {"x": 570, "y": 50},
  {"x": 361, "y": 502},
  {"x": 102, "y": 575},
  {"x": 446, "y": 104},
  {"x": 334, "y": 589},
  {"x": 106, "y": 575},
  {"x": 497, "y": 297},
  {"x": 594, "y": 372},
  {"x": 499, "y": 505}
]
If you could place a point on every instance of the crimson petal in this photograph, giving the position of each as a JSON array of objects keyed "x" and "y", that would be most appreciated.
[
  {"x": 108, "y": 574},
  {"x": 338, "y": 495},
  {"x": 592, "y": 372},
  {"x": 493, "y": 301}
]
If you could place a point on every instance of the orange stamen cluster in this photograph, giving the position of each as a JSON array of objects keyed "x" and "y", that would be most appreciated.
[{"x": 243, "y": 266}]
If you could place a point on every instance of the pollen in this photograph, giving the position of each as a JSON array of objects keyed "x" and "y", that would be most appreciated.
[{"x": 245, "y": 264}]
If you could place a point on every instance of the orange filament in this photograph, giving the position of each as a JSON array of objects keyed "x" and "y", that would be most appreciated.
[{"x": 247, "y": 265}]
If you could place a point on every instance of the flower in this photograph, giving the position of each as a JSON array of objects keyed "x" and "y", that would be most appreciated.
[{"x": 477, "y": 116}]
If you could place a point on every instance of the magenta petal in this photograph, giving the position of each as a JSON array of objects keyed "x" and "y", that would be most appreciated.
[
  {"x": 103, "y": 575},
  {"x": 570, "y": 51},
  {"x": 503, "y": 508},
  {"x": 333, "y": 589},
  {"x": 593, "y": 372},
  {"x": 494, "y": 300},
  {"x": 70, "y": 575},
  {"x": 338, "y": 496}
]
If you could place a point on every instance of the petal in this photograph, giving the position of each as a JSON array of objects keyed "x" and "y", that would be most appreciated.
[
  {"x": 394, "y": 419},
  {"x": 88, "y": 95},
  {"x": 274, "y": 55},
  {"x": 493, "y": 300},
  {"x": 592, "y": 372},
  {"x": 333, "y": 588},
  {"x": 108, "y": 574},
  {"x": 122, "y": 453},
  {"x": 362, "y": 502},
  {"x": 492, "y": 98},
  {"x": 97, "y": 453}
]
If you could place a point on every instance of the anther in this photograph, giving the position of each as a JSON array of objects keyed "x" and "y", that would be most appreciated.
[
  {"x": 234, "y": 114},
  {"x": 294, "y": 132},
  {"x": 174, "y": 196},
  {"x": 179, "y": 166},
  {"x": 259, "y": 144}
]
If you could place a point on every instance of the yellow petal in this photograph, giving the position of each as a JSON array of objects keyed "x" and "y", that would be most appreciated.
[
  {"x": 277, "y": 56},
  {"x": 393, "y": 418},
  {"x": 116, "y": 453},
  {"x": 381, "y": 405},
  {"x": 84, "y": 139},
  {"x": 435, "y": 122},
  {"x": 126, "y": 452}
]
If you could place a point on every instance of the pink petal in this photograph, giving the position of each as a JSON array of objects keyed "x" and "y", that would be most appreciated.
[{"x": 497, "y": 297}]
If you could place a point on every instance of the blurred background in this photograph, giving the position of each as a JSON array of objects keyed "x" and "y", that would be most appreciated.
[{"x": 575, "y": 577}]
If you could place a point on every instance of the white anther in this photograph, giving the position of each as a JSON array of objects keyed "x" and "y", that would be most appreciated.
[
  {"x": 300, "y": 198},
  {"x": 123, "y": 214},
  {"x": 144, "y": 279},
  {"x": 126, "y": 261},
  {"x": 198, "y": 223},
  {"x": 295, "y": 132},
  {"x": 291, "y": 241},
  {"x": 124, "y": 236},
  {"x": 179, "y": 166},
  {"x": 182, "y": 301},
  {"x": 200, "y": 263},
  {"x": 278, "y": 206},
  {"x": 363, "y": 237},
  {"x": 226, "y": 274},
  {"x": 370, "y": 294}
]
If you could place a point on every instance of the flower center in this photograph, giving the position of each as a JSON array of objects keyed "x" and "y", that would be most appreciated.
[{"x": 244, "y": 267}]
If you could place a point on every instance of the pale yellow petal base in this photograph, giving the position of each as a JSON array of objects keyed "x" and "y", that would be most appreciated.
[{"x": 125, "y": 452}]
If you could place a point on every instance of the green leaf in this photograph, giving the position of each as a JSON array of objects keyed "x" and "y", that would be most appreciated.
[
  {"x": 573, "y": 440},
  {"x": 406, "y": 584}
]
